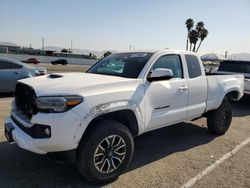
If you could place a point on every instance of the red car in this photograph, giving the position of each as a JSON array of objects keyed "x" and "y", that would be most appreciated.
[{"x": 33, "y": 61}]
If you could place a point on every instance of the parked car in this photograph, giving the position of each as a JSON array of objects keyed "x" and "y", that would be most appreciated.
[
  {"x": 32, "y": 61},
  {"x": 59, "y": 61},
  {"x": 237, "y": 67},
  {"x": 12, "y": 70},
  {"x": 96, "y": 115}
]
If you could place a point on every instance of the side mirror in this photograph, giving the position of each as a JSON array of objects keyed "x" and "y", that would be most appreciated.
[{"x": 160, "y": 74}]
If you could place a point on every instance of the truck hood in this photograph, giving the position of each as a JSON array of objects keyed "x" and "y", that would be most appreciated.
[{"x": 76, "y": 83}]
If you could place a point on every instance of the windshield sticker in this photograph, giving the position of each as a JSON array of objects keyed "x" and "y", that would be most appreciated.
[{"x": 139, "y": 55}]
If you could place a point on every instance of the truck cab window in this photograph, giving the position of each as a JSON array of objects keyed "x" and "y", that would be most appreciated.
[
  {"x": 194, "y": 68},
  {"x": 172, "y": 62}
]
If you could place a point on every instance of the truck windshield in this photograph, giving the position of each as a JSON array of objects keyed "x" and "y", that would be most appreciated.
[
  {"x": 235, "y": 66},
  {"x": 128, "y": 65}
]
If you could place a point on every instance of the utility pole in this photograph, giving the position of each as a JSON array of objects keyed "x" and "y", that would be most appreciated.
[
  {"x": 43, "y": 44},
  {"x": 225, "y": 54},
  {"x": 130, "y": 47},
  {"x": 71, "y": 46}
]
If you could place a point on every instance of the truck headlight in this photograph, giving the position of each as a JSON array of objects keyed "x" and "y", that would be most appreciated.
[{"x": 57, "y": 103}]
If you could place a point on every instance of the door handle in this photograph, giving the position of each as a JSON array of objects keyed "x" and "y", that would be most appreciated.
[{"x": 183, "y": 88}]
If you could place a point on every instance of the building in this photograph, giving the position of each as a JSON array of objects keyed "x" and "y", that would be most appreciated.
[{"x": 8, "y": 48}]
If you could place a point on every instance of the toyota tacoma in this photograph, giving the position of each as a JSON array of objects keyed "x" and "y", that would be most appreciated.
[{"x": 97, "y": 114}]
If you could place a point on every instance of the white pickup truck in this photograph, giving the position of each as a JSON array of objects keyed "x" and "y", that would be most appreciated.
[{"x": 97, "y": 114}]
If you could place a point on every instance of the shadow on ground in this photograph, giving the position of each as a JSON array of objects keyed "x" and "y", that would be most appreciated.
[
  {"x": 6, "y": 95},
  {"x": 19, "y": 168},
  {"x": 241, "y": 108}
]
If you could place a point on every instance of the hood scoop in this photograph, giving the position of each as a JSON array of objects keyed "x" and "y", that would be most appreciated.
[{"x": 54, "y": 76}]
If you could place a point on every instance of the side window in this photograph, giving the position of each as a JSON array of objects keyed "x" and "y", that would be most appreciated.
[
  {"x": 172, "y": 62},
  {"x": 9, "y": 65},
  {"x": 193, "y": 64}
]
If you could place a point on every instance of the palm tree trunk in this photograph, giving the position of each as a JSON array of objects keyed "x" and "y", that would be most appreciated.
[
  {"x": 187, "y": 43},
  {"x": 190, "y": 47},
  {"x": 199, "y": 45},
  {"x": 194, "y": 47}
]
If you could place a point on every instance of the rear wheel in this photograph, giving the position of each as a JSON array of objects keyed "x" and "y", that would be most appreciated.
[
  {"x": 105, "y": 151},
  {"x": 219, "y": 120}
]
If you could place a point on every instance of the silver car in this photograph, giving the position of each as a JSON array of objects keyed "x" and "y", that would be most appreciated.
[{"x": 12, "y": 70}]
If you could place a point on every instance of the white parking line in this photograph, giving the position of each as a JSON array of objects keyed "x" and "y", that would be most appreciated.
[{"x": 210, "y": 168}]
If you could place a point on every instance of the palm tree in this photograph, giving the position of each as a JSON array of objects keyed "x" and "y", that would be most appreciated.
[
  {"x": 203, "y": 34},
  {"x": 189, "y": 25},
  {"x": 193, "y": 38},
  {"x": 199, "y": 26},
  {"x": 196, "y": 34}
]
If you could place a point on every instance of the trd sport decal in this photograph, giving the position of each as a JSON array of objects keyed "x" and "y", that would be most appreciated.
[{"x": 162, "y": 107}]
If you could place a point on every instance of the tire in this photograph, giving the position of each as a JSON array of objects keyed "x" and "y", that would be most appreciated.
[
  {"x": 219, "y": 120},
  {"x": 91, "y": 156}
]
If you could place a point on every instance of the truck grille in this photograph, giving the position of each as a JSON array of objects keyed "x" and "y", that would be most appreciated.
[{"x": 25, "y": 99}]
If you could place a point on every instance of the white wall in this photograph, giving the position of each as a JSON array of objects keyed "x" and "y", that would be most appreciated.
[{"x": 48, "y": 59}]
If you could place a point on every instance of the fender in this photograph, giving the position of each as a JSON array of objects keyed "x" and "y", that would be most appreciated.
[
  {"x": 105, "y": 108},
  {"x": 211, "y": 105}
]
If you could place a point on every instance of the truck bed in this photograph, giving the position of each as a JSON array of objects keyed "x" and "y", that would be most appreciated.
[
  {"x": 246, "y": 77},
  {"x": 224, "y": 82}
]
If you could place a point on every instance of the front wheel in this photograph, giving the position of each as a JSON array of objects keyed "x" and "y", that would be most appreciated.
[
  {"x": 105, "y": 151},
  {"x": 219, "y": 120}
]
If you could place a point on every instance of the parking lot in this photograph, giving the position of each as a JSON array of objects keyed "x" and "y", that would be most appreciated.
[
  {"x": 63, "y": 68},
  {"x": 168, "y": 157}
]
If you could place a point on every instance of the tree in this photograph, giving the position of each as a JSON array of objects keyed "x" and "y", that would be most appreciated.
[
  {"x": 202, "y": 36},
  {"x": 189, "y": 25},
  {"x": 69, "y": 51},
  {"x": 107, "y": 54},
  {"x": 64, "y": 50},
  {"x": 199, "y": 26},
  {"x": 93, "y": 56},
  {"x": 194, "y": 35}
]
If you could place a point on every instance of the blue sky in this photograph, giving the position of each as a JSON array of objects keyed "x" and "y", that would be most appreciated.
[{"x": 116, "y": 24}]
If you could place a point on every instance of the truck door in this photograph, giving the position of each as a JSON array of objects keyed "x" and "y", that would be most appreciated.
[
  {"x": 166, "y": 100},
  {"x": 197, "y": 85}
]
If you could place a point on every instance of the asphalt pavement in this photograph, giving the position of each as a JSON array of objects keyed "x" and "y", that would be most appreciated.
[{"x": 168, "y": 157}]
